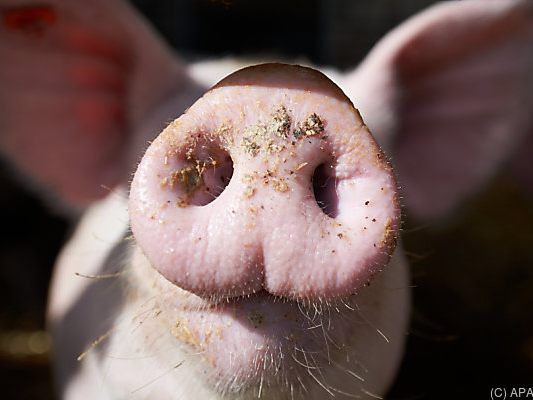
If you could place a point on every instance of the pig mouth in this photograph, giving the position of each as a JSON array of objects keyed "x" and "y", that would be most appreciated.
[{"x": 259, "y": 340}]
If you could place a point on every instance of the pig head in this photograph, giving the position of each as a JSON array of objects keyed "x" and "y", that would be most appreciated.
[{"x": 448, "y": 95}]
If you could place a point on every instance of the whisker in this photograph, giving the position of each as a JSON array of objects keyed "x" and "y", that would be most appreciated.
[
  {"x": 99, "y": 276},
  {"x": 301, "y": 363},
  {"x": 260, "y": 387},
  {"x": 320, "y": 383},
  {"x": 373, "y": 395},
  {"x": 352, "y": 395},
  {"x": 326, "y": 343},
  {"x": 95, "y": 343},
  {"x": 158, "y": 377},
  {"x": 301, "y": 382},
  {"x": 372, "y": 325}
]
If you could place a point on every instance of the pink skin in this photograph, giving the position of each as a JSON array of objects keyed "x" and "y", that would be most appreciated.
[
  {"x": 449, "y": 105},
  {"x": 274, "y": 234}
]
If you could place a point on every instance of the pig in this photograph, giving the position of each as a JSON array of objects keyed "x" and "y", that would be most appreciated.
[
  {"x": 128, "y": 324},
  {"x": 250, "y": 357}
]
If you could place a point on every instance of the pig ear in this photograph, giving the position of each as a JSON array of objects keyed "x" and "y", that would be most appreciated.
[
  {"x": 77, "y": 77},
  {"x": 450, "y": 95}
]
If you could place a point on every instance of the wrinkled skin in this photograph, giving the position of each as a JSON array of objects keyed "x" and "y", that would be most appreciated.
[{"x": 447, "y": 105}]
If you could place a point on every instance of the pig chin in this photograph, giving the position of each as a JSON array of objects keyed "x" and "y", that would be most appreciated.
[{"x": 263, "y": 345}]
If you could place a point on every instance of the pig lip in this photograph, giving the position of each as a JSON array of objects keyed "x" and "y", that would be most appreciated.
[
  {"x": 214, "y": 304},
  {"x": 242, "y": 342}
]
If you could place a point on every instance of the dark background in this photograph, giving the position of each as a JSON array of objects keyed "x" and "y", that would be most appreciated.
[{"x": 472, "y": 323}]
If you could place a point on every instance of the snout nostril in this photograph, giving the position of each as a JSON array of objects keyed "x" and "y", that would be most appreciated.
[
  {"x": 215, "y": 180},
  {"x": 204, "y": 177},
  {"x": 324, "y": 189}
]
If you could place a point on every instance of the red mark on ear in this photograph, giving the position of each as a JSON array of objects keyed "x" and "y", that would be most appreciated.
[{"x": 32, "y": 20}]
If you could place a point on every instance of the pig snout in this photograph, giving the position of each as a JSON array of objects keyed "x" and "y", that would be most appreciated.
[
  {"x": 264, "y": 211},
  {"x": 271, "y": 181}
]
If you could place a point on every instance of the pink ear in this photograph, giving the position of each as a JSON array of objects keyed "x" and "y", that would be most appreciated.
[
  {"x": 77, "y": 79},
  {"x": 450, "y": 94}
]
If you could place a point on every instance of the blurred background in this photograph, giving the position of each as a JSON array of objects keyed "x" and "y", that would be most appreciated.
[{"x": 472, "y": 322}]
